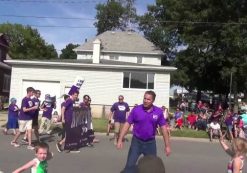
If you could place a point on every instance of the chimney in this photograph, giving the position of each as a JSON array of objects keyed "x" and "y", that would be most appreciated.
[{"x": 96, "y": 51}]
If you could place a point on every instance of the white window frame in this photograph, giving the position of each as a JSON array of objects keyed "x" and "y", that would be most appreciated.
[
  {"x": 139, "y": 60},
  {"x": 6, "y": 83},
  {"x": 130, "y": 73},
  {"x": 114, "y": 57}
]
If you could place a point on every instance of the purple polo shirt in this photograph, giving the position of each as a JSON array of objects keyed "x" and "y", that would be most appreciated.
[
  {"x": 13, "y": 111},
  {"x": 36, "y": 102},
  {"x": 120, "y": 110},
  {"x": 145, "y": 123},
  {"x": 68, "y": 110},
  {"x": 27, "y": 103},
  {"x": 48, "y": 108}
]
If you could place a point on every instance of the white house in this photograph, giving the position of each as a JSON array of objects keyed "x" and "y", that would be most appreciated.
[{"x": 113, "y": 63}]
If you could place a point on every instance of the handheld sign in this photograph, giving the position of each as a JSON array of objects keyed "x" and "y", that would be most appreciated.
[{"x": 76, "y": 85}]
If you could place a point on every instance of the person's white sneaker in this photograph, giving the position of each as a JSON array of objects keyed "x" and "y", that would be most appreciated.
[
  {"x": 74, "y": 151},
  {"x": 30, "y": 147},
  {"x": 15, "y": 144}
]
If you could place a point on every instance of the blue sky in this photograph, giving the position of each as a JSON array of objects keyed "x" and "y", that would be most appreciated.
[{"x": 59, "y": 36}]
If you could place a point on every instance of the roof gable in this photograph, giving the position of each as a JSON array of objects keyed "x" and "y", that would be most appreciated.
[{"x": 122, "y": 42}]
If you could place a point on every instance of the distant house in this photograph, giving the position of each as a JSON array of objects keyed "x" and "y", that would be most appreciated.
[
  {"x": 5, "y": 70},
  {"x": 112, "y": 63}
]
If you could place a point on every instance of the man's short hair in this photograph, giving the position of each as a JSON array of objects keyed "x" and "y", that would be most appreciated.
[
  {"x": 36, "y": 91},
  {"x": 75, "y": 92},
  {"x": 30, "y": 89},
  {"x": 65, "y": 96},
  {"x": 152, "y": 93},
  {"x": 86, "y": 96},
  {"x": 150, "y": 163}
]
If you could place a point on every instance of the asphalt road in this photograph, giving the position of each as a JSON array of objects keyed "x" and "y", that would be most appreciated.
[{"x": 188, "y": 156}]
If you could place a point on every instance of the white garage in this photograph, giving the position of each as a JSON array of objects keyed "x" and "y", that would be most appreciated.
[{"x": 46, "y": 87}]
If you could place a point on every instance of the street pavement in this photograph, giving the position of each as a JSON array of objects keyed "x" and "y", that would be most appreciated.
[{"x": 188, "y": 156}]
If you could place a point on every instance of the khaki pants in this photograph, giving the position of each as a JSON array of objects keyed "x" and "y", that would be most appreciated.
[
  {"x": 45, "y": 125},
  {"x": 118, "y": 126}
]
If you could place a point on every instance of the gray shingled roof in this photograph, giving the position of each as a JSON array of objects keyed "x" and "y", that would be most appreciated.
[{"x": 121, "y": 42}]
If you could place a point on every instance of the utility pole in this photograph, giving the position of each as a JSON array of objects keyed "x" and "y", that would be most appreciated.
[{"x": 230, "y": 92}]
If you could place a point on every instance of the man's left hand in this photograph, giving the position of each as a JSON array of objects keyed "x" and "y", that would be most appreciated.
[{"x": 168, "y": 150}]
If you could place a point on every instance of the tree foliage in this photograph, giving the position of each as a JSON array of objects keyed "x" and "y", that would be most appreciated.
[
  {"x": 115, "y": 15},
  {"x": 68, "y": 53},
  {"x": 213, "y": 34},
  {"x": 26, "y": 43}
]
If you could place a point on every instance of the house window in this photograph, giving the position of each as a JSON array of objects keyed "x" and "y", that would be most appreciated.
[
  {"x": 6, "y": 83},
  {"x": 114, "y": 57},
  {"x": 138, "y": 80},
  {"x": 139, "y": 59}
]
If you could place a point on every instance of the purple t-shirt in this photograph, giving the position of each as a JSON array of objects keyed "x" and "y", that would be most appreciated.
[
  {"x": 68, "y": 110},
  {"x": 13, "y": 111},
  {"x": 36, "y": 102},
  {"x": 120, "y": 110},
  {"x": 229, "y": 121},
  {"x": 27, "y": 103},
  {"x": 145, "y": 123},
  {"x": 48, "y": 108}
]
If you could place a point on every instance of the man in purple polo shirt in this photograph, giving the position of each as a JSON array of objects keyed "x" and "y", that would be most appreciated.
[
  {"x": 66, "y": 113},
  {"x": 25, "y": 119},
  {"x": 119, "y": 112},
  {"x": 145, "y": 119}
]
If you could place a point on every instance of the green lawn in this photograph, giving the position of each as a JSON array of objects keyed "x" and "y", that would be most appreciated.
[{"x": 100, "y": 125}]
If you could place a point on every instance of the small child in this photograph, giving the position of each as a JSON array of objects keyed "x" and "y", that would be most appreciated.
[
  {"x": 237, "y": 153},
  {"x": 179, "y": 123},
  {"x": 38, "y": 164},
  {"x": 13, "y": 112}
]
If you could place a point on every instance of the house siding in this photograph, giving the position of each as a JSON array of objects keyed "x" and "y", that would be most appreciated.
[
  {"x": 103, "y": 86},
  {"x": 132, "y": 58}
]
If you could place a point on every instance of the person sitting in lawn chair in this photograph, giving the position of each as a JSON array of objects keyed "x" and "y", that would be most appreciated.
[
  {"x": 191, "y": 120},
  {"x": 179, "y": 123},
  {"x": 214, "y": 130}
]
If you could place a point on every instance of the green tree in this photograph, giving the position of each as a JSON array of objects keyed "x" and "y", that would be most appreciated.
[
  {"x": 68, "y": 53},
  {"x": 26, "y": 43},
  {"x": 214, "y": 34},
  {"x": 115, "y": 15}
]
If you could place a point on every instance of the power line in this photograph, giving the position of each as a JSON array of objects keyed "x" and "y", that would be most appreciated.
[
  {"x": 161, "y": 21},
  {"x": 52, "y": 1},
  {"x": 60, "y": 26},
  {"x": 44, "y": 17}
]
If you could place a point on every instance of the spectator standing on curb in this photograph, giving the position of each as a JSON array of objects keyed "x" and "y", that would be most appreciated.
[
  {"x": 145, "y": 119},
  {"x": 119, "y": 111}
]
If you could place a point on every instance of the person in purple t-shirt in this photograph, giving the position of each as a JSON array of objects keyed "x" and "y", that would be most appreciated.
[
  {"x": 62, "y": 133},
  {"x": 145, "y": 119},
  {"x": 119, "y": 112},
  {"x": 47, "y": 107},
  {"x": 66, "y": 113},
  {"x": 35, "y": 123},
  {"x": 25, "y": 119},
  {"x": 13, "y": 112}
]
